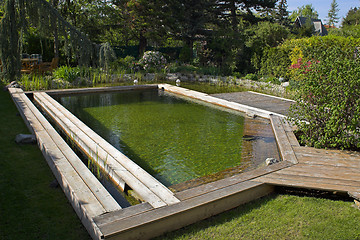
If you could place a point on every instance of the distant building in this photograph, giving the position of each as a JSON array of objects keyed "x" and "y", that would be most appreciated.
[
  {"x": 320, "y": 29},
  {"x": 329, "y": 27}
]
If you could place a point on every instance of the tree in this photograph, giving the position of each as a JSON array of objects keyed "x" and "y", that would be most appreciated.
[
  {"x": 233, "y": 8},
  {"x": 352, "y": 17},
  {"x": 281, "y": 13},
  {"x": 19, "y": 14},
  {"x": 304, "y": 11},
  {"x": 333, "y": 13}
]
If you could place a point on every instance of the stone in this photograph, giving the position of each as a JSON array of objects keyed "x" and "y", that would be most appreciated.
[
  {"x": 251, "y": 114},
  {"x": 13, "y": 84},
  {"x": 25, "y": 139},
  {"x": 54, "y": 184},
  {"x": 285, "y": 84},
  {"x": 271, "y": 161}
]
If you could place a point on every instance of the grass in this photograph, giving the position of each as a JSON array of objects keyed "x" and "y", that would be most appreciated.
[
  {"x": 278, "y": 217},
  {"x": 30, "y": 209}
]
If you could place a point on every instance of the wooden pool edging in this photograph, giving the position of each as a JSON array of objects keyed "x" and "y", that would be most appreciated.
[
  {"x": 86, "y": 194},
  {"x": 143, "y": 221}
]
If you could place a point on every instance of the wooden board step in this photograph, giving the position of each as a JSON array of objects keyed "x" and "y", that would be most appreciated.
[
  {"x": 282, "y": 139},
  {"x": 86, "y": 194},
  {"x": 157, "y": 221},
  {"x": 310, "y": 182},
  {"x": 120, "y": 168}
]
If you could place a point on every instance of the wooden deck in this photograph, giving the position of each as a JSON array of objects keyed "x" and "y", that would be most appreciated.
[
  {"x": 258, "y": 100},
  {"x": 302, "y": 167}
]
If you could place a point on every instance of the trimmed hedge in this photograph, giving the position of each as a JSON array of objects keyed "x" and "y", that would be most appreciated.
[{"x": 277, "y": 61}]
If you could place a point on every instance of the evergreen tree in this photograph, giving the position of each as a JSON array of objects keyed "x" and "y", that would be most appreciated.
[
  {"x": 282, "y": 14},
  {"x": 333, "y": 13}
]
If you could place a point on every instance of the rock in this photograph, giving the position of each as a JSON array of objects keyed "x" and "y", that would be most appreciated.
[
  {"x": 54, "y": 184},
  {"x": 251, "y": 114},
  {"x": 25, "y": 139},
  {"x": 271, "y": 161},
  {"x": 13, "y": 84},
  {"x": 285, "y": 84}
]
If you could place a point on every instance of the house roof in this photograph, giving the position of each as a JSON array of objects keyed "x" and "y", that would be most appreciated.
[{"x": 319, "y": 27}]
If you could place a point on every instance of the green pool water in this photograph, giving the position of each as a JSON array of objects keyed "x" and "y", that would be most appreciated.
[{"x": 174, "y": 139}]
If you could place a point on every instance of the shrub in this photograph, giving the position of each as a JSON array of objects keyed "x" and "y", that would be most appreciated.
[
  {"x": 278, "y": 68},
  {"x": 327, "y": 111},
  {"x": 69, "y": 74},
  {"x": 152, "y": 60}
]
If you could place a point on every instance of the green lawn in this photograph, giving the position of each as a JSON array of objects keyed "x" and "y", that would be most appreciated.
[{"x": 30, "y": 209}]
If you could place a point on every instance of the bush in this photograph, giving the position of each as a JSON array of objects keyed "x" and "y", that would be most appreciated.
[
  {"x": 327, "y": 111},
  {"x": 152, "y": 60},
  {"x": 69, "y": 74},
  {"x": 251, "y": 76},
  {"x": 278, "y": 68}
]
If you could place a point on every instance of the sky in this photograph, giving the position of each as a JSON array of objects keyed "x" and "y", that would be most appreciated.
[{"x": 323, "y": 6}]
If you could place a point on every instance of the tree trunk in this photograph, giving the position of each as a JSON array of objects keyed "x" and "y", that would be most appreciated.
[
  {"x": 142, "y": 45},
  {"x": 234, "y": 21},
  {"x": 56, "y": 33}
]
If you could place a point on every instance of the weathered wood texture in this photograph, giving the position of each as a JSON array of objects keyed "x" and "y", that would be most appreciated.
[
  {"x": 285, "y": 139},
  {"x": 258, "y": 100},
  {"x": 330, "y": 170},
  {"x": 218, "y": 101},
  {"x": 97, "y": 89},
  {"x": 86, "y": 194},
  {"x": 158, "y": 221},
  {"x": 120, "y": 168}
]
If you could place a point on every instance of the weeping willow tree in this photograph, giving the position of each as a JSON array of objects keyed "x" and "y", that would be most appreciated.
[{"x": 19, "y": 15}]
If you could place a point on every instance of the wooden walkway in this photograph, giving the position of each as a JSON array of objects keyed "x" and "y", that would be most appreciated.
[
  {"x": 327, "y": 170},
  {"x": 258, "y": 100},
  {"x": 302, "y": 167}
]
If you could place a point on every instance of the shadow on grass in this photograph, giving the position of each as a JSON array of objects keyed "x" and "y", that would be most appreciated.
[{"x": 218, "y": 220}]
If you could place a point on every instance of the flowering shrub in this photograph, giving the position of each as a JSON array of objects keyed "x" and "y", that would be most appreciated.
[
  {"x": 327, "y": 111},
  {"x": 152, "y": 60}
]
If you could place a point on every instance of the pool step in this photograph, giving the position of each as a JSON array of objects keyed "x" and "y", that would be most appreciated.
[
  {"x": 86, "y": 194},
  {"x": 120, "y": 168}
]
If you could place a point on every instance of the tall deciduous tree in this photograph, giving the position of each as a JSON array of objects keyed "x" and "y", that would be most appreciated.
[
  {"x": 333, "y": 13},
  {"x": 19, "y": 14},
  {"x": 239, "y": 7},
  {"x": 352, "y": 17},
  {"x": 304, "y": 11}
]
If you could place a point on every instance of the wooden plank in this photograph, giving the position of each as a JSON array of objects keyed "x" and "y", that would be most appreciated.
[
  {"x": 153, "y": 184},
  {"x": 309, "y": 182},
  {"x": 96, "y": 187},
  {"x": 324, "y": 172},
  {"x": 122, "y": 215},
  {"x": 116, "y": 171},
  {"x": 218, "y": 101},
  {"x": 289, "y": 130},
  {"x": 99, "y": 89},
  {"x": 230, "y": 181},
  {"x": 82, "y": 202},
  {"x": 96, "y": 151},
  {"x": 158, "y": 221},
  {"x": 327, "y": 153},
  {"x": 327, "y": 161},
  {"x": 103, "y": 196},
  {"x": 282, "y": 140},
  {"x": 355, "y": 195}
]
